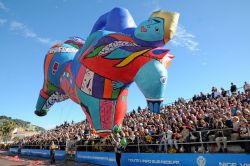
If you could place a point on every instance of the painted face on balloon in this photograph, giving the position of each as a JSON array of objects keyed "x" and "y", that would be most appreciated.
[{"x": 151, "y": 30}]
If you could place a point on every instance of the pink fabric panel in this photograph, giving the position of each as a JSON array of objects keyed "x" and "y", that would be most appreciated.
[{"x": 106, "y": 113}]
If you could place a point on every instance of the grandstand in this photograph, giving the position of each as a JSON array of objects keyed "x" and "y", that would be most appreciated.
[{"x": 214, "y": 121}]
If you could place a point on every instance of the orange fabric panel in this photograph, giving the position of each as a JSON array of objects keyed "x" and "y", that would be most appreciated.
[
  {"x": 107, "y": 89},
  {"x": 46, "y": 68}
]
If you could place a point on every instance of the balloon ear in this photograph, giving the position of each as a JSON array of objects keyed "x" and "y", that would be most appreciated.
[
  {"x": 157, "y": 53},
  {"x": 166, "y": 60}
]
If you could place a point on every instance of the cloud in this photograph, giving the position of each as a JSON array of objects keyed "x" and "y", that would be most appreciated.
[
  {"x": 23, "y": 30},
  {"x": 47, "y": 40},
  {"x": 3, "y": 7},
  {"x": 204, "y": 63},
  {"x": 153, "y": 6},
  {"x": 2, "y": 21},
  {"x": 185, "y": 39}
]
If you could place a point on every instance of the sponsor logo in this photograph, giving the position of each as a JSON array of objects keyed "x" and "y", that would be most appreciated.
[{"x": 201, "y": 161}]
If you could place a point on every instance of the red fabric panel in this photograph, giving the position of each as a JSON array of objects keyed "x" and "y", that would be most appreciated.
[{"x": 121, "y": 107}]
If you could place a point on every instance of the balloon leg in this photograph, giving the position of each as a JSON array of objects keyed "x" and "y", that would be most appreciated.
[
  {"x": 43, "y": 97},
  {"x": 45, "y": 101}
]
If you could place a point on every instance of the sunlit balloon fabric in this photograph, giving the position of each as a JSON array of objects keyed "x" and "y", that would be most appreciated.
[{"x": 96, "y": 73}]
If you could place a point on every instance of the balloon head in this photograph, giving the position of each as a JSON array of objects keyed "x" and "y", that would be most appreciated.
[{"x": 170, "y": 22}]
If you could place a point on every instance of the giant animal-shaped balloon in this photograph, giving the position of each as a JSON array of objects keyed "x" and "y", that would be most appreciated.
[{"x": 96, "y": 73}]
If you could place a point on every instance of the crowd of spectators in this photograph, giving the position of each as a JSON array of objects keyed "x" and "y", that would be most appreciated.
[
  {"x": 220, "y": 117},
  {"x": 60, "y": 135}
]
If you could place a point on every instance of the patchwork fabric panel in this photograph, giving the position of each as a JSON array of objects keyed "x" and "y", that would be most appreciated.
[
  {"x": 87, "y": 82},
  {"x": 95, "y": 85}
]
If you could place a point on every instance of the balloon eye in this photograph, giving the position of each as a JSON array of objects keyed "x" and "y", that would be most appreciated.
[
  {"x": 163, "y": 80},
  {"x": 157, "y": 21},
  {"x": 157, "y": 29}
]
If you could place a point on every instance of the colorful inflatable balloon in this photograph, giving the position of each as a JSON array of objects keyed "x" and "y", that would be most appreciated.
[
  {"x": 96, "y": 73},
  {"x": 124, "y": 142},
  {"x": 117, "y": 129}
]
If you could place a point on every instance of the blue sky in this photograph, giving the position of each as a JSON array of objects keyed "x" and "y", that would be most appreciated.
[{"x": 211, "y": 48}]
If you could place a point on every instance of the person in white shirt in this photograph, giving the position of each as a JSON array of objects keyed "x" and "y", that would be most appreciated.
[{"x": 166, "y": 139}]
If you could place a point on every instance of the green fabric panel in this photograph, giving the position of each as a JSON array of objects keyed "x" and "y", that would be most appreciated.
[
  {"x": 40, "y": 103},
  {"x": 115, "y": 93},
  {"x": 124, "y": 98},
  {"x": 95, "y": 52},
  {"x": 73, "y": 45},
  {"x": 51, "y": 88}
]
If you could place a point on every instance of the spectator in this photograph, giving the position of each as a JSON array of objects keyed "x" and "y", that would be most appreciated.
[
  {"x": 52, "y": 153},
  {"x": 204, "y": 132},
  {"x": 233, "y": 88},
  {"x": 215, "y": 93},
  {"x": 220, "y": 137},
  {"x": 163, "y": 143},
  {"x": 246, "y": 114},
  {"x": 236, "y": 124},
  {"x": 176, "y": 138},
  {"x": 185, "y": 138},
  {"x": 223, "y": 92},
  {"x": 246, "y": 87},
  {"x": 245, "y": 135},
  {"x": 118, "y": 148}
]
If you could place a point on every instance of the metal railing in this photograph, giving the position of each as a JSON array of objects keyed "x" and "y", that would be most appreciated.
[{"x": 139, "y": 144}]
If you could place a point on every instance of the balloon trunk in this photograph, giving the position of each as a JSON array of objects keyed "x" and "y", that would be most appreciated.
[{"x": 151, "y": 80}]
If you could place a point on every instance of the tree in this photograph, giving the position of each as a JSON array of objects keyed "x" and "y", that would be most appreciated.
[{"x": 6, "y": 129}]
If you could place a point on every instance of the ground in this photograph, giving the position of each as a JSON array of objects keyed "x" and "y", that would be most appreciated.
[{"x": 6, "y": 160}]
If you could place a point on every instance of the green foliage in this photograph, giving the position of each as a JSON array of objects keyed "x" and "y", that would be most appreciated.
[
  {"x": 20, "y": 124},
  {"x": 6, "y": 129}
]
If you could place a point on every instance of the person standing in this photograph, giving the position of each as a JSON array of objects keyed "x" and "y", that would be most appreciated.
[
  {"x": 233, "y": 88},
  {"x": 52, "y": 153},
  {"x": 220, "y": 137},
  {"x": 117, "y": 147},
  {"x": 246, "y": 87}
]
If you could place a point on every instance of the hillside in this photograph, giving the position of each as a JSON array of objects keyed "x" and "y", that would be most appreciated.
[{"x": 21, "y": 124}]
